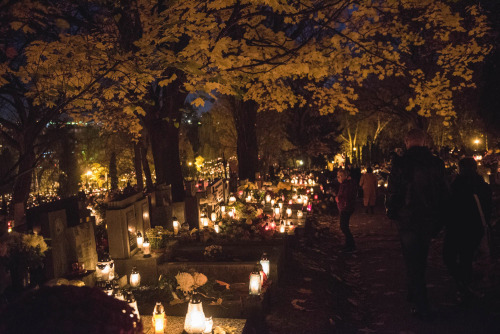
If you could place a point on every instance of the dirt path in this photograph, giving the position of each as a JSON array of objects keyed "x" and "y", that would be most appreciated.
[{"x": 326, "y": 291}]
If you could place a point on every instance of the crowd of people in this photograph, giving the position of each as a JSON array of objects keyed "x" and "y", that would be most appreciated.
[{"x": 422, "y": 201}]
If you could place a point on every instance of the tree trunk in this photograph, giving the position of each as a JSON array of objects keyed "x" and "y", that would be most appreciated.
[
  {"x": 137, "y": 166},
  {"x": 163, "y": 122},
  {"x": 245, "y": 119},
  {"x": 145, "y": 167},
  {"x": 22, "y": 185}
]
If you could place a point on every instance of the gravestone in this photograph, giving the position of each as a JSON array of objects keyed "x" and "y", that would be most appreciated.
[
  {"x": 124, "y": 219},
  {"x": 69, "y": 230}
]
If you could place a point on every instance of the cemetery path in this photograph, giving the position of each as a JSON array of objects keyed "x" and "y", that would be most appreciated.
[{"x": 326, "y": 291}]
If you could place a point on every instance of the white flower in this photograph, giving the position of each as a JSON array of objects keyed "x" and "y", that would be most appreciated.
[
  {"x": 185, "y": 281},
  {"x": 199, "y": 279}
]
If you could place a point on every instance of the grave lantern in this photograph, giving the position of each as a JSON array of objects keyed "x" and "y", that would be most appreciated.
[
  {"x": 264, "y": 262},
  {"x": 222, "y": 208},
  {"x": 254, "y": 287},
  {"x": 280, "y": 204},
  {"x": 268, "y": 198},
  {"x": 213, "y": 216},
  {"x": 108, "y": 288},
  {"x": 290, "y": 202},
  {"x": 175, "y": 224},
  {"x": 105, "y": 268},
  {"x": 232, "y": 199},
  {"x": 140, "y": 239},
  {"x": 209, "y": 324},
  {"x": 133, "y": 304},
  {"x": 195, "y": 318},
  {"x": 289, "y": 212},
  {"x": 282, "y": 228},
  {"x": 159, "y": 319},
  {"x": 216, "y": 228},
  {"x": 272, "y": 202},
  {"x": 276, "y": 210},
  {"x": 135, "y": 278},
  {"x": 204, "y": 220},
  {"x": 119, "y": 295},
  {"x": 249, "y": 198},
  {"x": 230, "y": 213},
  {"x": 300, "y": 214},
  {"x": 146, "y": 248}
]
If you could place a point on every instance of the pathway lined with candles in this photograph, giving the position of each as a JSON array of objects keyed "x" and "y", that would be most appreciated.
[{"x": 326, "y": 291}]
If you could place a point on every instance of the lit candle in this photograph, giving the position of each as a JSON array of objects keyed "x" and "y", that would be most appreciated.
[
  {"x": 146, "y": 248},
  {"x": 209, "y": 324},
  {"x": 195, "y": 318},
  {"x": 272, "y": 202},
  {"x": 159, "y": 319},
  {"x": 213, "y": 216},
  {"x": 222, "y": 208},
  {"x": 216, "y": 228},
  {"x": 300, "y": 214},
  {"x": 289, "y": 212},
  {"x": 264, "y": 262},
  {"x": 282, "y": 228},
  {"x": 268, "y": 199},
  {"x": 140, "y": 239},
  {"x": 254, "y": 286},
  {"x": 135, "y": 278},
  {"x": 175, "y": 224}
]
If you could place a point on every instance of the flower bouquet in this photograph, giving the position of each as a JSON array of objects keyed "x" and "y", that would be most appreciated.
[{"x": 22, "y": 253}]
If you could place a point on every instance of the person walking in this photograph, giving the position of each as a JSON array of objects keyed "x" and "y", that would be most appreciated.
[
  {"x": 369, "y": 184},
  {"x": 346, "y": 202},
  {"x": 417, "y": 194},
  {"x": 470, "y": 210}
]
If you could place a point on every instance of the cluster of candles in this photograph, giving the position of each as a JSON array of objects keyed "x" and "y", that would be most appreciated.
[
  {"x": 195, "y": 321},
  {"x": 259, "y": 275}
]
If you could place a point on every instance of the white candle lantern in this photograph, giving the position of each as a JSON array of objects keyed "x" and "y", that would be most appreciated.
[
  {"x": 146, "y": 248},
  {"x": 300, "y": 214},
  {"x": 159, "y": 319},
  {"x": 133, "y": 304},
  {"x": 249, "y": 198},
  {"x": 264, "y": 262},
  {"x": 272, "y": 202},
  {"x": 213, "y": 216},
  {"x": 232, "y": 199},
  {"x": 289, "y": 212},
  {"x": 254, "y": 287},
  {"x": 195, "y": 318},
  {"x": 135, "y": 278},
  {"x": 268, "y": 198},
  {"x": 222, "y": 208},
  {"x": 209, "y": 324},
  {"x": 216, "y": 228},
  {"x": 108, "y": 288},
  {"x": 105, "y": 269},
  {"x": 175, "y": 225},
  {"x": 140, "y": 240},
  {"x": 230, "y": 214},
  {"x": 282, "y": 228},
  {"x": 277, "y": 210}
]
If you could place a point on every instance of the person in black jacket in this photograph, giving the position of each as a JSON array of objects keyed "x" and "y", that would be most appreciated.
[
  {"x": 416, "y": 197},
  {"x": 464, "y": 230}
]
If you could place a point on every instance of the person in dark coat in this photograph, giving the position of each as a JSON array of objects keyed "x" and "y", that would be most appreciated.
[
  {"x": 464, "y": 230},
  {"x": 417, "y": 194},
  {"x": 346, "y": 201}
]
